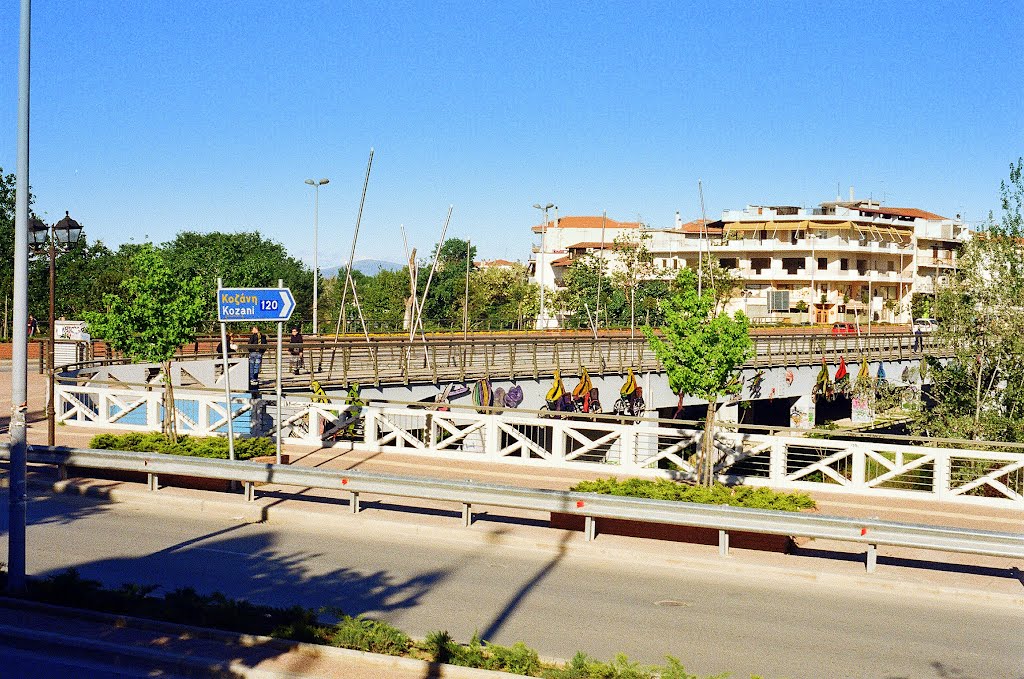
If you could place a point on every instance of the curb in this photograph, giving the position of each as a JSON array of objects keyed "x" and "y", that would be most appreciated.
[
  {"x": 215, "y": 666},
  {"x": 271, "y": 512}
]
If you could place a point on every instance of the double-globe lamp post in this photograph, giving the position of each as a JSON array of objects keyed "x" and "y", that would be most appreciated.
[
  {"x": 542, "y": 323},
  {"x": 316, "y": 184},
  {"x": 43, "y": 238}
]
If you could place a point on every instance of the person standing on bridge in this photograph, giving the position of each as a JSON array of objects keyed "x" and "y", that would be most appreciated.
[
  {"x": 257, "y": 347},
  {"x": 295, "y": 349}
]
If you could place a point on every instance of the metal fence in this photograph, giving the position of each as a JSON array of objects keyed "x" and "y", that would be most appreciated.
[{"x": 592, "y": 507}]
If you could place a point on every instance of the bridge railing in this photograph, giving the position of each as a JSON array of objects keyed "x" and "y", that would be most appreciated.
[{"x": 453, "y": 359}]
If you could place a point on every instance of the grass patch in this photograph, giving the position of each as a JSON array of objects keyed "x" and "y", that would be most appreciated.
[
  {"x": 215, "y": 447},
  {"x": 718, "y": 494}
]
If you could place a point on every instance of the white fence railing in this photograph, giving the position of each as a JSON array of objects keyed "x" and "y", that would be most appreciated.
[{"x": 641, "y": 447}]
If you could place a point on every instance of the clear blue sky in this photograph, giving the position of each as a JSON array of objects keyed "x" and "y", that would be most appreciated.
[{"x": 153, "y": 117}]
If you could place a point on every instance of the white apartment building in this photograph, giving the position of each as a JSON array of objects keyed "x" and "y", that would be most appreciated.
[{"x": 843, "y": 260}]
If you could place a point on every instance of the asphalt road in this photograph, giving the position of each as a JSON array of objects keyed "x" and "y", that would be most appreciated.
[{"x": 557, "y": 603}]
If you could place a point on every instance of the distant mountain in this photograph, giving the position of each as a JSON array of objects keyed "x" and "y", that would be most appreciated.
[{"x": 370, "y": 267}]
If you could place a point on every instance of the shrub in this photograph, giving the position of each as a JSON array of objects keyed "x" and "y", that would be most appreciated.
[
  {"x": 718, "y": 494},
  {"x": 373, "y": 636},
  {"x": 206, "y": 446}
]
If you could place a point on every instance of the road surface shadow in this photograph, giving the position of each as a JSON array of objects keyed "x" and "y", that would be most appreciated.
[
  {"x": 1012, "y": 573},
  {"x": 44, "y": 507},
  {"x": 245, "y": 561}
]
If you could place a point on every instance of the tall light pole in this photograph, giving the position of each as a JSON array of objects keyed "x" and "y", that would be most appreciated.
[
  {"x": 316, "y": 265},
  {"x": 43, "y": 238},
  {"x": 16, "y": 498},
  {"x": 541, "y": 318}
]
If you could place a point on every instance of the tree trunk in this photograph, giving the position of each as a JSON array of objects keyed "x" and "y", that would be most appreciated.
[
  {"x": 706, "y": 465},
  {"x": 170, "y": 425}
]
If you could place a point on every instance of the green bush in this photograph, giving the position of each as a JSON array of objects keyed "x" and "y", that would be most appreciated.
[
  {"x": 663, "y": 489},
  {"x": 206, "y": 446},
  {"x": 373, "y": 636}
]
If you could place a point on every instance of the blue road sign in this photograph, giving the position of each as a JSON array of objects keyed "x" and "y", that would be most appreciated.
[{"x": 254, "y": 304}]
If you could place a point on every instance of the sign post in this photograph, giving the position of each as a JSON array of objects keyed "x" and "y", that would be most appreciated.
[{"x": 251, "y": 305}]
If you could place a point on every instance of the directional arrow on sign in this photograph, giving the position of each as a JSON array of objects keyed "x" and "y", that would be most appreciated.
[
  {"x": 254, "y": 304},
  {"x": 287, "y": 302}
]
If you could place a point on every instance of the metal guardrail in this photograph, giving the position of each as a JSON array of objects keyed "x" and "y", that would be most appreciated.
[{"x": 592, "y": 507}]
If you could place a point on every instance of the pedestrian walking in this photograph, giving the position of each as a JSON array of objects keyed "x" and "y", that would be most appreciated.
[
  {"x": 295, "y": 349},
  {"x": 33, "y": 325},
  {"x": 918, "y": 338},
  {"x": 257, "y": 347}
]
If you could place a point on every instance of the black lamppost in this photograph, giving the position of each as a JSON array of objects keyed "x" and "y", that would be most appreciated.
[{"x": 43, "y": 238}]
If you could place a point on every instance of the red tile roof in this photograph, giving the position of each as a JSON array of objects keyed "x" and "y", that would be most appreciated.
[
  {"x": 714, "y": 227},
  {"x": 587, "y": 223},
  {"x": 901, "y": 212},
  {"x": 591, "y": 245},
  {"x": 562, "y": 261}
]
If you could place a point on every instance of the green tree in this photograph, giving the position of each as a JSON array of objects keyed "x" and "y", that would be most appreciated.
[
  {"x": 381, "y": 297},
  {"x": 635, "y": 263},
  {"x": 701, "y": 350},
  {"x": 244, "y": 260},
  {"x": 443, "y": 305},
  {"x": 979, "y": 392},
  {"x": 502, "y": 297},
  {"x": 157, "y": 312}
]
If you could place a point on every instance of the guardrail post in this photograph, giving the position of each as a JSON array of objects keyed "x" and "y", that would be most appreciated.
[
  {"x": 589, "y": 528},
  {"x": 723, "y": 543},
  {"x": 872, "y": 558},
  {"x": 467, "y": 514},
  {"x": 152, "y": 482},
  {"x": 353, "y": 502},
  {"x": 250, "y": 491}
]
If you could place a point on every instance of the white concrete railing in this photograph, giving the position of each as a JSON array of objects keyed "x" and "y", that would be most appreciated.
[{"x": 643, "y": 447}]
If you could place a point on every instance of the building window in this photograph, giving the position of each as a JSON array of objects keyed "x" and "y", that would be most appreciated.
[
  {"x": 728, "y": 262},
  {"x": 759, "y": 264},
  {"x": 822, "y": 262},
  {"x": 793, "y": 264},
  {"x": 778, "y": 300},
  {"x": 844, "y": 264},
  {"x": 862, "y": 266},
  {"x": 892, "y": 266}
]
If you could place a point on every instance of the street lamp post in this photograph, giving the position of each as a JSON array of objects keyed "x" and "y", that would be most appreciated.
[
  {"x": 542, "y": 319},
  {"x": 316, "y": 266},
  {"x": 45, "y": 238}
]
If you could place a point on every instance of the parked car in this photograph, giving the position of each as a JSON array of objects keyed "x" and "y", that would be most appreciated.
[
  {"x": 925, "y": 324},
  {"x": 844, "y": 329}
]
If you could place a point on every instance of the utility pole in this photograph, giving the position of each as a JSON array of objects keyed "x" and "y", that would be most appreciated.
[{"x": 19, "y": 351}]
